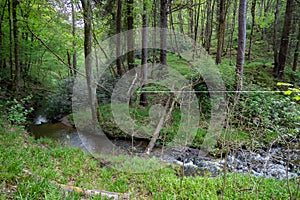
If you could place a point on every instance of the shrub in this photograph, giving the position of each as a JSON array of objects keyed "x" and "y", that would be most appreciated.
[
  {"x": 17, "y": 110},
  {"x": 268, "y": 114},
  {"x": 59, "y": 102}
]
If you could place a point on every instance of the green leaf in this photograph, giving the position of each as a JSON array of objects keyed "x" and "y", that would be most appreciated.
[
  {"x": 297, "y": 98},
  {"x": 284, "y": 84},
  {"x": 289, "y": 92}
]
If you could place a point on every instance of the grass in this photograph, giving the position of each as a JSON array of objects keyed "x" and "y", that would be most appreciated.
[{"x": 50, "y": 162}]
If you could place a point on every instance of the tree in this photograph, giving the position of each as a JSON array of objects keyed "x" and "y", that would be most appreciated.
[
  {"x": 221, "y": 31},
  {"x": 297, "y": 49},
  {"x": 143, "y": 98},
  {"x": 130, "y": 40},
  {"x": 16, "y": 45},
  {"x": 2, "y": 59},
  {"x": 241, "y": 47},
  {"x": 10, "y": 40},
  {"x": 275, "y": 43},
  {"x": 118, "y": 43},
  {"x": 87, "y": 13},
  {"x": 232, "y": 28},
  {"x": 208, "y": 26},
  {"x": 163, "y": 31},
  {"x": 252, "y": 28},
  {"x": 279, "y": 70},
  {"x": 154, "y": 24},
  {"x": 74, "y": 39}
]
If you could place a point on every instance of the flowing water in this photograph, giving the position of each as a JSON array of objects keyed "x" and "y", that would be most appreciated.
[{"x": 272, "y": 163}]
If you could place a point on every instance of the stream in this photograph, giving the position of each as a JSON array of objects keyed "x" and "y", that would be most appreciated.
[{"x": 277, "y": 162}]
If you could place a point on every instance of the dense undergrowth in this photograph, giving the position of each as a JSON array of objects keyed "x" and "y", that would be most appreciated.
[
  {"x": 264, "y": 113},
  {"x": 52, "y": 164}
]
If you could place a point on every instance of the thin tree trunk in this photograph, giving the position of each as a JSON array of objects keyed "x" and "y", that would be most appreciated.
[
  {"x": 16, "y": 44},
  {"x": 191, "y": 20},
  {"x": 275, "y": 40},
  {"x": 241, "y": 47},
  {"x": 118, "y": 43},
  {"x": 145, "y": 40},
  {"x": 221, "y": 31},
  {"x": 232, "y": 29},
  {"x": 69, "y": 64},
  {"x": 197, "y": 14},
  {"x": 285, "y": 39},
  {"x": 154, "y": 24},
  {"x": 252, "y": 28},
  {"x": 173, "y": 31},
  {"x": 74, "y": 40},
  {"x": 2, "y": 64},
  {"x": 163, "y": 31},
  {"x": 202, "y": 30},
  {"x": 130, "y": 40},
  {"x": 296, "y": 52},
  {"x": 159, "y": 126},
  {"x": 180, "y": 21},
  {"x": 262, "y": 5},
  {"x": 88, "y": 36},
  {"x": 211, "y": 25},
  {"x": 12, "y": 75}
]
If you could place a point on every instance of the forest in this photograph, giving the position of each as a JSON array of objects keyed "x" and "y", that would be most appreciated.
[{"x": 161, "y": 99}]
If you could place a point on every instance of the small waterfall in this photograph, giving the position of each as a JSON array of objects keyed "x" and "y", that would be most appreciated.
[{"x": 40, "y": 120}]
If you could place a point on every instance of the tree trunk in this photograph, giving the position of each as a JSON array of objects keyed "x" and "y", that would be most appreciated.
[
  {"x": 118, "y": 43},
  {"x": 241, "y": 47},
  {"x": 180, "y": 21},
  {"x": 154, "y": 24},
  {"x": 275, "y": 42},
  {"x": 74, "y": 40},
  {"x": 285, "y": 39},
  {"x": 173, "y": 31},
  {"x": 196, "y": 27},
  {"x": 296, "y": 52},
  {"x": 130, "y": 40},
  {"x": 69, "y": 64},
  {"x": 232, "y": 29},
  {"x": 2, "y": 61},
  {"x": 211, "y": 25},
  {"x": 145, "y": 40},
  {"x": 202, "y": 30},
  {"x": 221, "y": 31},
  {"x": 252, "y": 28},
  {"x": 163, "y": 31},
  {"x": 159, "y": 126},
  {"x": 16, "y": 45},
  {"x": 10, "y": 40},
  {"x": 88, "y": 35}
]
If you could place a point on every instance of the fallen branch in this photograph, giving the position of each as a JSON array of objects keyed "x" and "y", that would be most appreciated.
[
  {"x": 160, "y": 125},
  {"x": 85, "y": 191}
]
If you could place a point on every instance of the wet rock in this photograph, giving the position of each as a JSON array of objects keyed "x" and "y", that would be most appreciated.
[{"x": 264, "y": 163}]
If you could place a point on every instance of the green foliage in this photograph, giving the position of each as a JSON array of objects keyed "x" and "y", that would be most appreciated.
[
  {"x": 228, "y": 75},
  {"x": 59, "y": 102},
  {"x": 259, "y": 73},
  {"x": 268, "y": 115},
  {"x": 291, "y": 91},
  {"x": 293, "y": 76},
  {"x": 17, "y": 110}
]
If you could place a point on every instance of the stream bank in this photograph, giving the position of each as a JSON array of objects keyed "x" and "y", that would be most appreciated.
[{"x": 277, "y": 162}]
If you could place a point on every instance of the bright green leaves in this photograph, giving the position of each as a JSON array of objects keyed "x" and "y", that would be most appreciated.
[
  {"x": 295, "y": 92},
  {"x": 284, "y": 84}
]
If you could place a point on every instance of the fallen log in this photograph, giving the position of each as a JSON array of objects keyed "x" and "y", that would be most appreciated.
[{"x": 70, "y": 188}]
